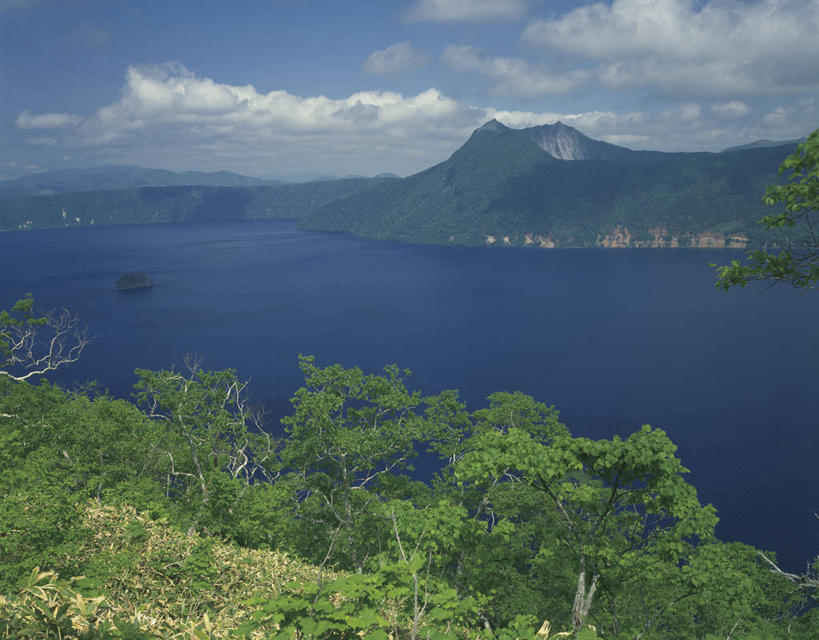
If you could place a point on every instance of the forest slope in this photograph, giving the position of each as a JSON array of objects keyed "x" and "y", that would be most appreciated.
[{"x": 552, "y": 186}]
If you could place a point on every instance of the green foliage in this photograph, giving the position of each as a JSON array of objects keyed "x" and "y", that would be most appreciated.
[
  {"x": 523, "y": 524},
  {"x": 798, "y": 264},
  {"x": 359, "y": 606},
  {"x": 346, "y": 608},
  {"x": 210, "y": 440},
  {"x": 347, "y": 433},
  {"x": 38, "y": 527},
  {"x": 621, "y": 503},
  {"x": 198, "y": 567}
]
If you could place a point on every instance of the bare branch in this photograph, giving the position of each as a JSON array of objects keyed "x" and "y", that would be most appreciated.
[
  {"x": 804, "y": 581},
  {"x": 34, "y": 346}
]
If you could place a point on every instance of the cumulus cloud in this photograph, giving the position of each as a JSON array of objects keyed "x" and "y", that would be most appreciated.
[
  {"x": 512, "y": 76},
  {"x": 169, "y": 107},
  {"x": 466, "y": 10},
  {"x": 167, "y": 115},
  {"x": 791, "y": 118},
  {"x": 711, "y": 47},
  {"x": 396, "y": 58},
  {"x": 690, "y": 111},
  {"x": 46, "y": 120},
  {"x": 733, "y": 109}
]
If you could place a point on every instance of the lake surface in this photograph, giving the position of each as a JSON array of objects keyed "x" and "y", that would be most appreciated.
[{"x": 613, "y": 338}]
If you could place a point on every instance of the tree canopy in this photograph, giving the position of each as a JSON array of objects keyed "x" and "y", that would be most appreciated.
[
  {"x": 798, "y": 262},
  {"x": 178, "y": 516}
]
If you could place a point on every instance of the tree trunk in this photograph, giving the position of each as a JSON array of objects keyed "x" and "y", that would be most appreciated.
[{"x": 582, "y": 598}]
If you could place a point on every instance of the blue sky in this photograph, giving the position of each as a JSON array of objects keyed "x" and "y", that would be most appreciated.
[{"x": 304, "y": 88}]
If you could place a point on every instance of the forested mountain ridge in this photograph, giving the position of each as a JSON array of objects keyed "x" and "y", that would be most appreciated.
[
  {"x": 552, "y": 186},
  {"x": 174, "y": 204},
  {"x": 545, "y": 186},
  {"x": 119, "y": 177}
]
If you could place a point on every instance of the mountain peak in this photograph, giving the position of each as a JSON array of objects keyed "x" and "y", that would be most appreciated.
[
  {"x": 493, "y": 125},
  {"x": 762, "y": 144}
]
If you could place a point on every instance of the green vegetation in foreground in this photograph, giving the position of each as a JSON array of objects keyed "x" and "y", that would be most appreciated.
[{"x": 176, "y": 517}]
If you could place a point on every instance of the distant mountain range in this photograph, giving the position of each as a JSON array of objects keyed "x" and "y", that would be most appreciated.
[
  {"x": 119, "y": 177},
  {"x": 552, "y": 186},
  {"x": 756, "y": 144},
  {"x": 182, "y": 203},
  {"x": 546, "y": 186}
]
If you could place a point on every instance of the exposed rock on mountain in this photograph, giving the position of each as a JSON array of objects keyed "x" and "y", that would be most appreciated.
[{"x": 567, "y": 143}]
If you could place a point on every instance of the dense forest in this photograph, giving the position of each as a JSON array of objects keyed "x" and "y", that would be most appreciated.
[
  {"x": 182, "y": 514},
  {"x": 179, "y": 514}
]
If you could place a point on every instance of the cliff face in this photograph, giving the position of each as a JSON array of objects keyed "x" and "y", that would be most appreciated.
[
  {"x": 660, "y": 237},
  {"x": 567, "y": 143},
  {"x": 621, "y": 237},
  {"x": 560, "y": 142}
]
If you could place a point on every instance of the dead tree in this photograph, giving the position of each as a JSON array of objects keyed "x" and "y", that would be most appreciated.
[{"x": 32, "y": 346}]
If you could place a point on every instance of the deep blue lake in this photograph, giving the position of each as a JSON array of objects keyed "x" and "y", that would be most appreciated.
[{"x": 613, "y": 338}]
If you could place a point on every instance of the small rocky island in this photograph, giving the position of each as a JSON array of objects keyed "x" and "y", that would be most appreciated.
[{"x": 134, "y": 280}]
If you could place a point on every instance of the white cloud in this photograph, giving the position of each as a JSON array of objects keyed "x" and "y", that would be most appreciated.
[
  {"x": 690, "y": 112},
  {"x": 466, "y": 10},
  {"x": 187, "y": 116},
  {"x": 169, "y": 116},
  {"x": 789, "y": 120},
  {"x": 733, "y": 109},
  {"x": 512, "y": 76},
  {"x": 687, "y": 46},
  {"x": 394, "y": 59},
  {"x": 779, "y": 116},
  {"x": 46, "y": 120}
]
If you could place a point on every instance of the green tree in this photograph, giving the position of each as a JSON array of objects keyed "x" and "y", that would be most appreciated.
[
  {"x": 503, "y": 555},
  {"x": 349, "y": 435},
  {"x": 798, "y": 264},
  {"x": 209, "y": 430},
  {"x": 622, "y": 504}
]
